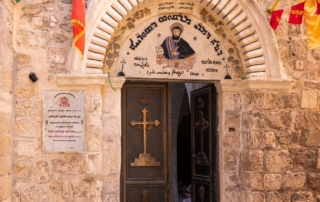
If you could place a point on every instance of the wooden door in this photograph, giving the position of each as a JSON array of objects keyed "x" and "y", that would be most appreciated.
[
  {"x": 203, "y": 145},
  {"x": 144, "y": 139}
]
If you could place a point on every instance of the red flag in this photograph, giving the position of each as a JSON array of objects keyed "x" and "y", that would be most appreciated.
[
  {"x": 275, "y": 18},
  {"x": 78, "y": 18},
  {"x": 296, "y": 13},
  {"x": 318, "y": 8}
]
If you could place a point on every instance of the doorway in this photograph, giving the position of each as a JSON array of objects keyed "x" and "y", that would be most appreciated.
[{"x": 161, "y": 147}]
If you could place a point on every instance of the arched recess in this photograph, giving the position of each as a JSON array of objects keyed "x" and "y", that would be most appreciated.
[{"x": 244, "y": 20}]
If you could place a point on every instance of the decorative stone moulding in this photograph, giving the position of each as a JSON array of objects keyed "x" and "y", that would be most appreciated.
[{"x": 243, "y": 19}]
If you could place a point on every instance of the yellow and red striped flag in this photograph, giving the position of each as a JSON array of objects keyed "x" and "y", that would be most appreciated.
[
  {"x": 78, "y": 19},
  {"x": 312, "y": 23}
]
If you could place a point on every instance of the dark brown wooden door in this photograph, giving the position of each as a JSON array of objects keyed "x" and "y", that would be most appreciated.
[
  {"x": 203, "y": 143},
  {"x": 144, "y": 163}
]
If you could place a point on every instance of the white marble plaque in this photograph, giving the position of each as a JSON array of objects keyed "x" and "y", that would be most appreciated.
[{"x": 63, "y": 125}]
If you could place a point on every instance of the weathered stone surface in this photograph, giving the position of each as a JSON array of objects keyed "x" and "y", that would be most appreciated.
[
  {"x": 284, "y": 137},
  {"x": 307, "y": 120},
  {"x": 94, "y": 139},
  {"x": 306, "y": 158},
  {"x": 279, "y": 161},
  {"x": 288, "y": 100},
  {"x": 40, "y": 21},
  {"x": 23, "y": 169},
  {"x": 26, "y": 148},
  {"x": 35, "y": 39},
  {"x": 309, "y": 99},
  {"x": 73, "y": 165},
  {"x": 300, "y": 48},
  {"x": 233, "y": 196},
  {"x": 5, "y": 124},
  {"x": 269, "y": 101},
  {"x": 31, "y": 9},
  {"x": 318, "y": 159},
  {"x": 312, "y": 70},
  {"x": 252, "y": 196},
  {"x": 7, "y": 80},
  {"x": 53, "y": 21},
  {"x": 231, "y": 159},
  {"x": 251, "y": 139},
  {"x": 58, "y": 38},
  {"x": 16, "y": 194},
  {"x": 293, "y": 181},
  {"x": 232, "y": 181},
  {"x": 27, "y": 127},
  {"x": 66, "y": 27},
  {"x": 279, "y": 196},
  {"x": 65, "y": 189},
  {"x": 311, "y": 138},
  {"x": 23, "y": 59},
  {"x": 272, "y": 181},
  {"x": 231, "y": 140},
  {"x": 5, "y": 155},
  {"x": 88, "y": 187},
  {"x": 41, "y": 172},
  {"x": 305, "y": 196},
  {"x": 36, "y": 194},
  {"x": 251, "y": 181},
  {"x": 27, "y": 108},
  {"x": 94, "y": 164},
  {"x": 56, "y": 185},
  {"x": 284, "y": 49},
  {"x": 313, "y": 180},
  {"x": 312, "y": 84},
  {"x": 39, "y": 1},
  {"x": 25, "y": 88},
  {"x": 5, "y": 188},
  {"x": 296, "y": 136},
  {"x": 56, "y": 55},
  {"x": 279, "y": 120},
  {"x": 247, "y": 119},
  {"x": 252, "y": 160},
  {"x": 268, "y": 140},
  {"x": 257, "y": 121}
]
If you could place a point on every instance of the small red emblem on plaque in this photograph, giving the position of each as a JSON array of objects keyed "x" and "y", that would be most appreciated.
[{"x": 64, "y": 102}]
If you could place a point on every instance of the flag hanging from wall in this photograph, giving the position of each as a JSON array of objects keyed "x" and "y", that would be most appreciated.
[
  {"x": 318, "y": 7},
  {"x": 275, "y": 18},
  {"x": 296, "y": 13},
  {"x": 78, "y": 17},
  {"x": 312, "y": 22}
]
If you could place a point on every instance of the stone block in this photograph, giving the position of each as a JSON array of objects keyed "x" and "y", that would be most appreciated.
[
  {"x": 232, "y": 196},
  {"x": 6, "y": 107},
  {"x": 269, "y": 101},
  {"x": 307, "y": 120},
  {"x": 318, "y": 159},
  {"x": 94, "y": 164},
  {"x": 309, "y": 99},
  {"x": 252, "y": 196},
  {"x": 56, "y": 185},
  {"x": 26, "y": 148},
  {"x": 28, "y": 108},
  {"x": 279, "y": 196},
  {"x": 252, "y": 160},
  {"x": 87, "y": 187},
  {"x": 70, "y": 165},
  {"x": 23, "y": 59},
  {"x": 314, "y": 180},
  {"x": 38, "y": 194},
  {"x": 279, "y": 120},
  {"x": 306, "y": 158},
  {"x": 288, "y": 100},
  {"x": 247, "y": 120},
  {"x": 231, "y": 140},
  {"x": 258, "y": 122},
  {"x": 27, "y": 127},
  {"x": 56, "y": 55},
  {"x": 23, "y": 170},
  {"x": 5, "y": 188},
  {"x": 232, "y": 181},
  {"x": 5, "y": 125},
  {"x": 258, "y": 99},
  {"x": 251, "y": 139},
  {"x": 59, "y": 38},
  {"x": 294, "y": 181},
  {"x": 284, "y": 137},
  {"x": 231, "y": 159},
  {"x": 311, "y": 139},
  {"x": 279, "y": 161},
  {"x": 37, "y": 38},
  {"x": 41, "y": 172},
  {"x": 251, "y": 181},
  {"x": 268, "y": 140},
  {"x": 305, "y": 196},
  {"x": 272, "y": 182}
]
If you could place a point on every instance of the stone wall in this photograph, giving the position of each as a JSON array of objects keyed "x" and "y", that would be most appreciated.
[{"x": 6, "y": 129}]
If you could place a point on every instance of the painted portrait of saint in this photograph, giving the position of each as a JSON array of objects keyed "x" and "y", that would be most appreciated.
[{"x": 175, "y": 52}]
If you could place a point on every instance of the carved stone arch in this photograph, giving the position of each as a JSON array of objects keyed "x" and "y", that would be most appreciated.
[{"x": 254, "y": 37}]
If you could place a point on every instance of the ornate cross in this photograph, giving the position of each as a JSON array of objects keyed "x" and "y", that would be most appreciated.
[
  {"x": 201, "y": 126},
  {"x": 145, "y": 159}
]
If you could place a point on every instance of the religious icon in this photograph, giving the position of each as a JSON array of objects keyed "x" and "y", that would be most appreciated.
[{"x": 175, "y": 52}]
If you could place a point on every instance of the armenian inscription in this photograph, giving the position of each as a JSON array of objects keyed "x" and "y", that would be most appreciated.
[{"x": 63, "y": 126}]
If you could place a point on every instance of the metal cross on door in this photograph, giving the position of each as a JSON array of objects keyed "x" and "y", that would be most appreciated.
[{"x": 145, "y": 159}]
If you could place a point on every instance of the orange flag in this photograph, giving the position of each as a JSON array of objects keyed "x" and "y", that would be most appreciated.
[
  {"x": 78, "y": 18},
  {"x": 275, "y": 18},
  {"x": 296, "y": 13},
  {"x": 312, "y": 23}
]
